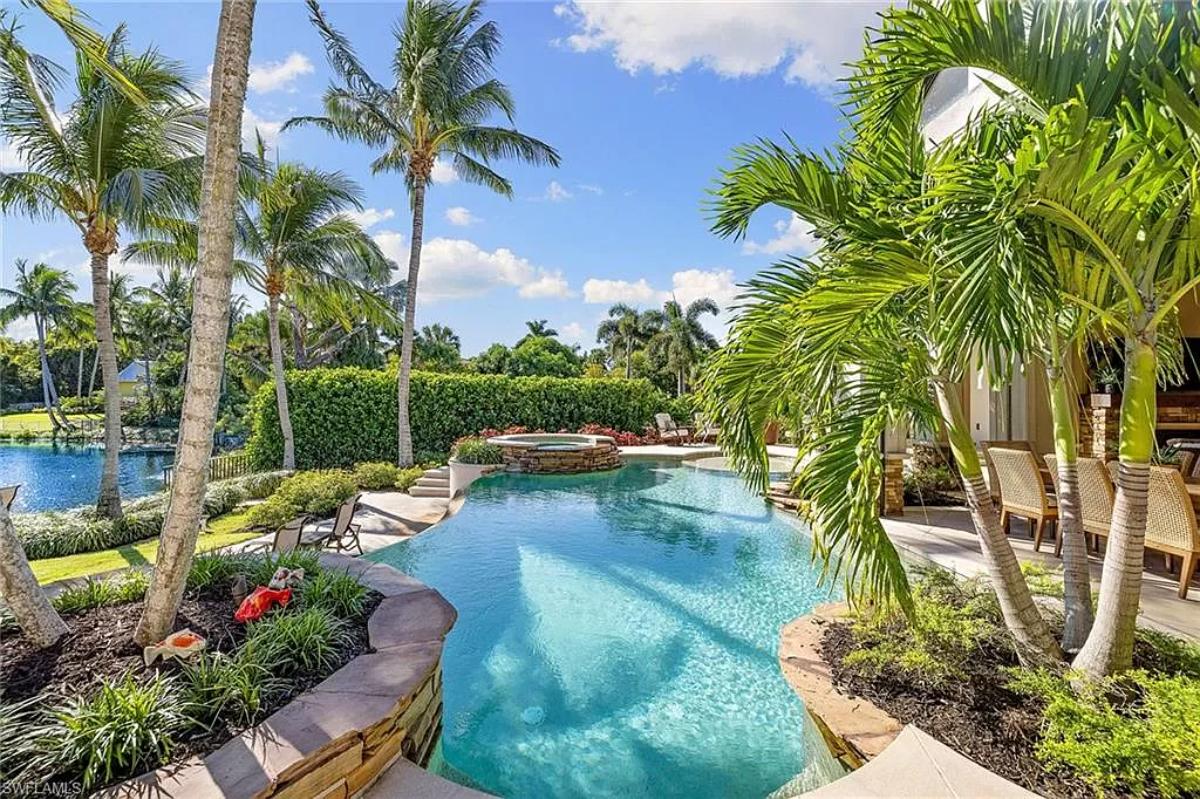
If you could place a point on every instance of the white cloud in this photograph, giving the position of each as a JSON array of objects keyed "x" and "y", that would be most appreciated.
[
  {"x": 556, "y": 193},
  {"x": 591, "y": 188},
  {"x": 548, "y": 285},
  {"x": 598, "y": 290},
  {"x": 460, "y": 216},
  {"x": 269, "y": 129},
  {"x": 718, "y": 285},
  {"x": 443, "y": 171},
  {"x": 10, "y": 159},
  {"x": 573, "y": 333},
  {"x": 392, "y": 244},
  {"x": 737, "y": 39},
  {"x": 279, "y": 75},
  {"x": 457, "y": 268},
  {"x": 370, "y": 217},
  {"x": 795, "y": 237}
]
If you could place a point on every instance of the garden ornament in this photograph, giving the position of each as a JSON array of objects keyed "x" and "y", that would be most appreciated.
[
  {"x": 239, "y": 589},
  {"x": 181, "y": 645},
  {"x": 286, "y": 578},
  {"x": 260, "y": 601}
]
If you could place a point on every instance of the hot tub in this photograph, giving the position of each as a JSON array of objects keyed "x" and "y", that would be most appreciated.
[{"x": 558, "y": 453}]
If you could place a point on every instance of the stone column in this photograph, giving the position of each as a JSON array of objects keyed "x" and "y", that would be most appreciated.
[
  {"x": 1099, "y": 433},
  {"x": 893, "y": 484}
]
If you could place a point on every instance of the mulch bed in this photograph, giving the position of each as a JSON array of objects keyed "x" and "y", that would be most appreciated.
[
  {"x": 977, "y": 717},
  {"x": 100, "y": 646}
]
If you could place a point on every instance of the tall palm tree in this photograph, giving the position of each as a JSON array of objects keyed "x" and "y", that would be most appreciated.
[
  {"x": 438, "y": 348},
  {"x": 682, "y": 340},
  {"x": 109, "y": 161},
  {"x": 627, "y": 329},
  {"x": 293, "y": 239},
  {"x": 539, "y": 328},
  {"x": 210, "y": 322},
  {"x": 438, "y": 106},
  {"x": 79, "y": 330},
  {"x": 149, "y": 323},
  {"x": 47, "y": 295}
]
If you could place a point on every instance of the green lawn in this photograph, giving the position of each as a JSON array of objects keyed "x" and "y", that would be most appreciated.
[
  {"x": 225, "y": 531},
  {"x": 36, "y": 421}
]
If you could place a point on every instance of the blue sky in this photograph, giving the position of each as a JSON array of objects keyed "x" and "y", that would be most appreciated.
[{"x": 644, "y": 101}]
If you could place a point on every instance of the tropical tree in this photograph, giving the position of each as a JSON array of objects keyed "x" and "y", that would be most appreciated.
[
  {"x": 437, "y": 107},
  {"x": 149, "y": 324},
  {"x": 682, "y": 339},
  {"x": 627, "y": 329},
  {"x": 47, "y": 295},
  {"x": 78, "y": 329},
  {"x": 110, "y": 161},
  {"x": 438, "y": 349},
  {"x": 210, "y": 322},
  {"x": 294, "y": 240},
  {"x": 537, "y": 328}
]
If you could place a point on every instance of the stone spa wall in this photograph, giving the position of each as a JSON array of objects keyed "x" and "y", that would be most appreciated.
[
  {"x": 597, "y": 457},
  {"x": 334, "y": 740}
]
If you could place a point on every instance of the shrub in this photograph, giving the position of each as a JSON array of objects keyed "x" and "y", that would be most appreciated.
[
  {"x": 288, "y": 643},
  {"x": 344, "y": 416},
  {"x": 376, "y": 475},
  {"x": 1137, "y": 732},
  {"x": 407, "y": 477},
  {"x": 317, "y": 493},
  {"x": 128, "y": 587},
  {"x": 122, "y": 729},
  {"x": 476, "y": 450},
  {"x": 233, "y": 687},
  {"x": 338, "y": 592}
]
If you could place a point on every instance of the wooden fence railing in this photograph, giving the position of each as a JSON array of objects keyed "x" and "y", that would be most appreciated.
[{"x": 219, "y": 468}]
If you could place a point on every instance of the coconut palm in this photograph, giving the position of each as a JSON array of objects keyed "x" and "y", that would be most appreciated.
[
  {"x": 437, "y": 107},
  {"x": 293, "y": 240},
  {"x": 627, "y": 329},
  {"x": 47, "y": 295},
  {"x": 149, "y": 323},
  {"x": 438, "y": 348},
  {"x": 1108, "y": 60},
  {"x": 210, "y": 322},
  {"x": 77, "y": 329},
  {"x": 681, "y": 340},
  {"x": 538, "y": 328},
  {"x": 108, "y": 162}
]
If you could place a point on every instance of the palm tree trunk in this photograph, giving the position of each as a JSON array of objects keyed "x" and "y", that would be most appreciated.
[
  {"x": 24, "y": 597},
  {"x": 109, "y": 502},
  {"x": 410, "y": 321},
  {"x": 1077, "y": 584},
  {"x": 1109, "y": 649},
  {"x": 210, "y": 321},
  {"x": 79, "y": 376},
  {"x": 1035, "y": 642},
  {"x": 299, "y": 351},
  {"x": 92, "y": 379},
  {"x": 628, "y": 359},
  {"x": 47, "y": 400},
  {"x": 281, "y": 396},
  {"x": 149, "y": 384}
]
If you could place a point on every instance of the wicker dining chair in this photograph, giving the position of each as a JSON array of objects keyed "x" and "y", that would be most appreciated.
[
  {"x": 1022, "y": 492},
  {"x": 1171, "y": 523},
  {"x": 1095, "y": 497}
]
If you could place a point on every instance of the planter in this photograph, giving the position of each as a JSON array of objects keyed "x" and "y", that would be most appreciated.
[{"x": 463, "y": 474}]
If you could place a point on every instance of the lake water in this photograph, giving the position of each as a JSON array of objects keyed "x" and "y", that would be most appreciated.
[{"x": 58, "y": 476}]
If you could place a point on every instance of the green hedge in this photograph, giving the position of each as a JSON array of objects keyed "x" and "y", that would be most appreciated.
[{"x": 345, "y": 416}]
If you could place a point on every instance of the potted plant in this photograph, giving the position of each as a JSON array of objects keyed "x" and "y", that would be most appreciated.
[
  {"x": 1106, "y": 377},
  {"x": 471, "y": 458}
]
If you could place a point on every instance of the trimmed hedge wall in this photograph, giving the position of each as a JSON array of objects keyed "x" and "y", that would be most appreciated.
[{"x": 346, "y": 416}]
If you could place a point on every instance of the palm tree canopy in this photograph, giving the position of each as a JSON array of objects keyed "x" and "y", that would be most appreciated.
[
  {"x": 440, "y": 101},
  {"x": 541, "y": 328},
  {"x": 42, "y": 292},
  {"x": 108, "y": 159}
]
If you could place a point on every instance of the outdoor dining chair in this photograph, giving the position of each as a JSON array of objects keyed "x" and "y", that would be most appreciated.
[
  {"x": 1095, "y": 497},
  {"x": 8, "y": 495},
  {"x": 1022, "y": 492},
  {"x": 287, "y": 538},
  {"x": 987, "y": 446},
  {"x": 1171, "y": 523},
  {"x": 344, "y": 535}
]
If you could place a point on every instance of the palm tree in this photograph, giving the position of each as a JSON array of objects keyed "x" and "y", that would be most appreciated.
[
  {"x": 627, "y": 329},
  {"x": 149, "y": 324},
  {"x": 47, "y": 295},
  {"x": 210, "y": 322},
  {"x": 1115, "y": 61},
  {"x": 438, "y": 107},
  {"x": 538, "y": 328},
  {"x": 438, "y": 348},
  {"x": 294, "y": 240},
  {"x": 108, "y": 161},
  {"x": 682, "y": 340},
  {"x": 79, "y": 330}
]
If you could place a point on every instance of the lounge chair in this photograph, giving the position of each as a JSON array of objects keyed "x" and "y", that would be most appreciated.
[
  {"x": 344, "y": 535},
  {"x": 1095, "y": 496},
  {"x": 705, "y": 429},
  {"x": 669, "y": 432},
  {"x": 287, "y": 538},
  {"x": 1022, "y": 492},
  {"x": 7, "y": 495}
]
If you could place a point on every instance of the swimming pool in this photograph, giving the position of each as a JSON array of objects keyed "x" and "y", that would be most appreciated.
[
  {"x": 617, "y": 635},
  {"x": 58, "y": 476}
]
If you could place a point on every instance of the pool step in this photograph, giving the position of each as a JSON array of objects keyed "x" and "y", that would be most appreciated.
[{"x": 433, "y": 483}]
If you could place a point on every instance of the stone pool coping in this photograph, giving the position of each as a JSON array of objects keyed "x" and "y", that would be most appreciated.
[{"x": 336, "y": 739}]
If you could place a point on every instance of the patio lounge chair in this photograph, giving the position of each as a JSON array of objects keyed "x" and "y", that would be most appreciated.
[
  {"x": 287, "y": 538},
  {"x": 705, "y": 429},
  {"x": 1022, "y": 492},
  {"x": 1095, "y": 497},
  {"x": 344, "y": 535},
  {"x": 7, "y": 495},
  {"x": 669, "y": 432}
]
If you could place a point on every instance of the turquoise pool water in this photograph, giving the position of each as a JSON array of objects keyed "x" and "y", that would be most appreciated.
[
  {"x": 617, "y": 635},
  {"x": 55, "y": 476}
]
